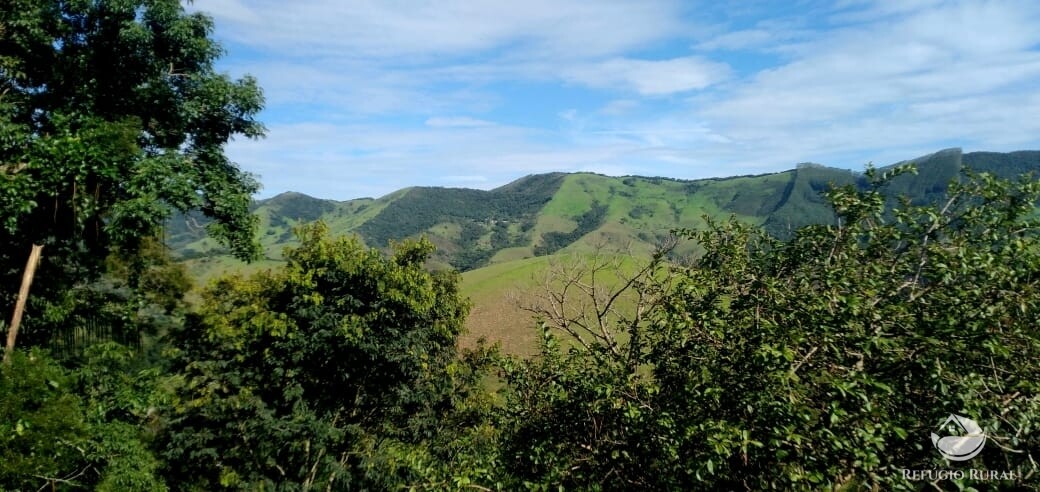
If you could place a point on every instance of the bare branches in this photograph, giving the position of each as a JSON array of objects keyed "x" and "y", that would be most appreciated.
[
  {"x": 68, "y": 479},
  {"x": 799, "y": 364},
  {"x": 193, "y": 224},
  {"x": 601, "y": 298}
]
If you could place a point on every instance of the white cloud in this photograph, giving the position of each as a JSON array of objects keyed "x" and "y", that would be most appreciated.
[
  {"x": 650, "y": 77},
  {"x": 740, "y": 40},
  {"x": 456, "y": 122},
  {"x": 374, "y": 97},
  {"x": 348, "y": 87},
  {"x": 366, "y": 28},
  {"x": 879, "y": 70},
  {"x": 872, "y": 10},
  {"x": 373, "y": 56},
  {"x": 619, "y": 107}
]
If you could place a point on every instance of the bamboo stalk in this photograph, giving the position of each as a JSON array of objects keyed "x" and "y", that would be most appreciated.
[{"x": 23, "y": 295}]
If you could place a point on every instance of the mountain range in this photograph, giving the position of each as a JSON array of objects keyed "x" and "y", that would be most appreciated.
[{"x": 500, "y": 238}]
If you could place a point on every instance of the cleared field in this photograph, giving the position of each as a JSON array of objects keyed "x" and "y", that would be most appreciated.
[
  {"x": 495, "y": 315},
  {"x": 498, "y": 292}
]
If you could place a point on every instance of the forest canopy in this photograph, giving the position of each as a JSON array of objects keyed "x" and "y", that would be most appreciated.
[{"x": 825, "y": 357}]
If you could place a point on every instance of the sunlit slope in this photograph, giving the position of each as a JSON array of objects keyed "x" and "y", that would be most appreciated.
[
  {"x": 637, "y": 212},
  {"x": 501, "y": 292},
  {"x": 496, "y": 315},
  {"x": 277, "y": 217},
  {"x": 553, "y": 213}
]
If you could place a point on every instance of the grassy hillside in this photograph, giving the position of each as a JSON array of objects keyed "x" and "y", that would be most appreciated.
[
  {"x": 500, "y": 292},
  {"x": 545, "y": 214},
  {"x": 504, "y": 238},
  {"x": 496, "y": 316},
  {"x": 469, "y": 226}
]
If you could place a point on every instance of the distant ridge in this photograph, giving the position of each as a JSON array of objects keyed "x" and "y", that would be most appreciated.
[{"x": 558, "y": 212}]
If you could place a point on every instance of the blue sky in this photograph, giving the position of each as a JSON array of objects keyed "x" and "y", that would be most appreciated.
[{"x": 368, "y": 96}]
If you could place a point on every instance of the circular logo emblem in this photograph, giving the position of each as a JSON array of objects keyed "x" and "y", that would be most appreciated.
[{"x": 964, "y": 446}]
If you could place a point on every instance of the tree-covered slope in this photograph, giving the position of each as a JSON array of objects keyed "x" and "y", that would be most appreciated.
[
  {"x": 503, "y": 238},
  {"x": 1005, "y": 165},
  {"x": 468, "y": 226},
  {"x": 545, "y": 214}
]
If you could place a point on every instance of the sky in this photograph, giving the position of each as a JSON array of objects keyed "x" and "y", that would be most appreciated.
[{"x": 365, "y": 97}]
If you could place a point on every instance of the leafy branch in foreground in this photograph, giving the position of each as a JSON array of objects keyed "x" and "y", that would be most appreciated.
[
  {"x": 823, "y": 361},
  {"x": 336, "y": 370}
]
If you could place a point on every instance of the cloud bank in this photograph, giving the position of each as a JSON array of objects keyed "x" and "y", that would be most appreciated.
[{"x": 366, "y": 97}]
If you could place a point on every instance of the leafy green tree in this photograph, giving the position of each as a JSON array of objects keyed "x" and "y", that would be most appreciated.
[
  {"x": 121, "y": 398},
  {"x": 43, "y": 428},
  {"x": 329, "y": 371},
  {"x": 53, "y": 438},
  {"x": 577, "y": 419},
  {"x": 827, "y": 360},
  {"x": 820, "y": 362},
  {"x": 111, "y": 116}
]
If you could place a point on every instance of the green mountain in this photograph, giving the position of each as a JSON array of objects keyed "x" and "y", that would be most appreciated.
[
  {"x": 503, "y": 237},
  {"x": 544, "y": 214}
]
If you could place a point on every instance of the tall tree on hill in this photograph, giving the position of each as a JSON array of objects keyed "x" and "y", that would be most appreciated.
[{"x": 112, "y": 116}]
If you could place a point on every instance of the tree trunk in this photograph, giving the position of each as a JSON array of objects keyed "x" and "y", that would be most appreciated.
[{"x": 23, "y": 295}]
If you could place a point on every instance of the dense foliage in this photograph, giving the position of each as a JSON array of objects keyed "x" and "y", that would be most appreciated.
[
  {"x": 88, "y": 428},
  {"x": 821, "y": 362},
  {"x": 111, "y": 116},
  {"x": 821, "y": 356},
  {"x": 291, "y": 375}
]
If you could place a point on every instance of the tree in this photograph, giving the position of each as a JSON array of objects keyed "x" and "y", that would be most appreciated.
[
  {"x": 572, "y": 417},
  {"x": 601, "y": 299},
  {"x": 824, "y": 361},
  {"x": 827, "y": 361},
  {"x": 326, "y": 371},
  {"x": 43, "y": 429},
  {"x": 112, "y": 116},
  {"x": 68, "y": 430}
]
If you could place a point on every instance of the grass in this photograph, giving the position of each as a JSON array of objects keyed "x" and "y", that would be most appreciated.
[
  {"x": 497, "y": 292},
  {"x": 495, "y": 315},
  {"x": 512, "y": 254},
  {"x": 640, "y": 212}
]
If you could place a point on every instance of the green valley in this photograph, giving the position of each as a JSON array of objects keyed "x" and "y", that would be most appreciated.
[
  {"x": 659, "y": 326},
  {"x": 500, "y": 238}
]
